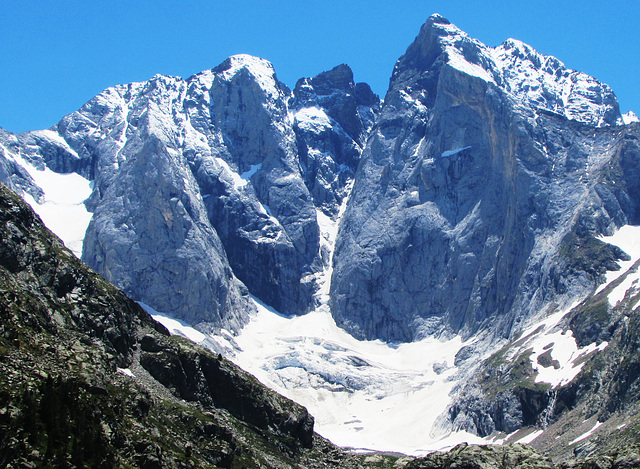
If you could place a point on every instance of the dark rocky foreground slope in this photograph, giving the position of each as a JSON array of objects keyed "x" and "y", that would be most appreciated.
[{"x": 88, "y": 379}]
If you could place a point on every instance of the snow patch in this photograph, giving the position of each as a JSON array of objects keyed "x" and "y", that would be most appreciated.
[
  {"x": 530, "y": 437},
  {"x": 564, "y": 359},
  {"x": 457, "y": 61},
  {"x": 126, "y": 372},
  {"x": 454, "y": 151},
  {"x": 175, "y": 326},
  {"x": 253, "y": 170},
  {"x": 312, "y": 119},
  {"x": 587, "y": 434},
  {"x": 626, "y": 238},
  {"x": 63, "y": 210},
  {"x": 453, "y": 41},
  {"x": 231, "y": 176},
  {"x": 629, "y": 118},
  {"x": 57, "y": 138}
]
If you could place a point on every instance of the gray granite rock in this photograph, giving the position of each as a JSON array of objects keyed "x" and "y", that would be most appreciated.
[{"x": 466, "y": 192}]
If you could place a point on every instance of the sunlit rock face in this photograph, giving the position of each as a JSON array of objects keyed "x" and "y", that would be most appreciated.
[
  {"x": 208, "y": 188},
  {"x": 484, "y": 167}
]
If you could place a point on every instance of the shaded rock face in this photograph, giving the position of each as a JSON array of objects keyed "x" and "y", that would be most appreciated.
[
  {"x": 468, "y": 190},
  {"x": 332, "y": 119},
  {"x": 174, "y": 256},
  {"x": 201, "y": 193},
  {"x": 207, "y": 188}
]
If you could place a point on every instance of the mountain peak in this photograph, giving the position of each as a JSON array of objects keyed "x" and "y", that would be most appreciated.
[
  {"x": 437, "y": 18},
  {"x": 261, "y": 70},
  {"x": 235, "y": 63},
  {"x": 527, "y": 76}
]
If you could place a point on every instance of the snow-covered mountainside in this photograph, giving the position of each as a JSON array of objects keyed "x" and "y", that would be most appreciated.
[{"x": 419, "y": 271}]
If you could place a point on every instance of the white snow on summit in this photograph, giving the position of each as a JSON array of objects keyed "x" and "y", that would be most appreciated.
[
  {"x": 62, "y": 210},
  {"x": 629, "y": 118},
  {"x": 531, "y": 78},
  {"x": 261, "y": 69}
]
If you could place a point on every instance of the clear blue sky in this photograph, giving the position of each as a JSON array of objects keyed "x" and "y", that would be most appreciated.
[{"x": 56, "y": 55}]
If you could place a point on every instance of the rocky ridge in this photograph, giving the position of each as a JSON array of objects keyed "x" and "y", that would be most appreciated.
[
  {"x": 206, "y": 187},
  {"x": 471, "y": 191}
]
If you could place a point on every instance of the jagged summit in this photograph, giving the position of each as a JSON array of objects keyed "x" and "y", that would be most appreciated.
[
  {"x": 235, "y": 63},
  {"x": 437, "y": 18},
  {"x": 533, "y": 80},
  {"x": 345, "y": 101},
  {"x": 261, "y": 70}
]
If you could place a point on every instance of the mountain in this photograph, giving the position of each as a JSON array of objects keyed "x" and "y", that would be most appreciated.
[
  {"x": 471, "y": 220},
  {"x": 90, "y": 380},
  {"x": 209, "y": 187},
  {"x": 485, "y": 168}
]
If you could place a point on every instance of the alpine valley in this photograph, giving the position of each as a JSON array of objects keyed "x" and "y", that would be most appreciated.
[{"x": 455, "y": 266}]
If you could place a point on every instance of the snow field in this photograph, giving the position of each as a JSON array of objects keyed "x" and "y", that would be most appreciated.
[
  {"x": 365, "y": 395},
  {"x": 626, "y": 238},
  {"x": 544, "y": 337},
  {"x": 63, "y": 210}
]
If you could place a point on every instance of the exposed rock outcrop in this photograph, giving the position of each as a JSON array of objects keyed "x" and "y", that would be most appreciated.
[{"x": 469, "y": 188}]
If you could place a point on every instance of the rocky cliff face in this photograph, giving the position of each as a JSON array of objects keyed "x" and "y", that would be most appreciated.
[
  {"x": 207, "y": 188},
  {"x": 482, "y": 164},
  {"x": 332, "y": 119}
]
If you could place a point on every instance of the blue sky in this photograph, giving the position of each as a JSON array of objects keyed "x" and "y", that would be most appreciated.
[{"x": 57, "y": 55}]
